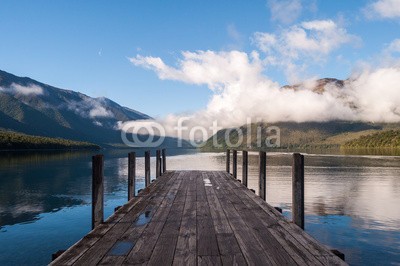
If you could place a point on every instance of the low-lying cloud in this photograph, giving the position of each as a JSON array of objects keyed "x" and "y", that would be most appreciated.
[
  {"x": 30, "y": 89},
  {"x": 90, "y": 107}
]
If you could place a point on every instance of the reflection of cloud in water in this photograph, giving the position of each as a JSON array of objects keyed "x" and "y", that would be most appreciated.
[
  {"x": 25, "y": 208},
  {"x": 29, "y": 211}
]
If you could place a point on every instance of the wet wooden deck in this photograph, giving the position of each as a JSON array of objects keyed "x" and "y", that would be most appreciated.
[{"x": 197, "y": 218}]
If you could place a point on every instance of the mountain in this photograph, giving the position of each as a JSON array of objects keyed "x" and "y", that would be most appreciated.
[
  {"x": 319, "y": 85},
  {"x": 35, "y": 108},
  {"x": 330, "y": 134},
  {"x": 385, "y": 139}
]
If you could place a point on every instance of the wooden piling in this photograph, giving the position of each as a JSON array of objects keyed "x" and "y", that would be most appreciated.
[
  {"x": 97, "y": 190},
  {"x": 245, "y": 168},
  {"x": 234, "y": 164},
  {"x": 131, "y": 175},
  {"x": 228, "y": 160},
  {"x": 262, "y": 174},
  {"x": 147, "y": 168},
  {"x": 164, "y": 161},
  {"x": 158, "y": 163},
  {"x": 298, "y": 190}
]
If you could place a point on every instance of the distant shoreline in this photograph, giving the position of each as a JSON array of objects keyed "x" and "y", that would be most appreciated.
[{"x": 14, "y": 141}]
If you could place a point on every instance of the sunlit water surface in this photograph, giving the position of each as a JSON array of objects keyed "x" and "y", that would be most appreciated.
[{"x": 352, "y": 202}]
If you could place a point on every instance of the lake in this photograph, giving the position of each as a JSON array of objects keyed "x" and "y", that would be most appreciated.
[{"x": 352, "y": 201}]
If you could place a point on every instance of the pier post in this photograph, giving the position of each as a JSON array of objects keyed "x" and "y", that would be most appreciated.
[
  {"x": 262, "y": 174},
  {"x": 228, "y": 159},
  {"x": 244, "y": 167},
  {"x": 234, "y": 164},
  {"x": 164, "y": 161},
  {"x": 298, "y": 190},
  {"x": 97, "y": 190},
  {"x": 147, "y": 168},
  {"x": 158, "y": 163},
  {"x": 131, "y": 175}
]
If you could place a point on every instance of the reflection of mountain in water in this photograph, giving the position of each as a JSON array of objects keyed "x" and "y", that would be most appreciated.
[
  {"x": 32, "y": 183},
  {"x": 27, "y": 211}
]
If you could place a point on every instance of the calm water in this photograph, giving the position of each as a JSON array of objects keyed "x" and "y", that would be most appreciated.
[{"x": 352, "y": 202}]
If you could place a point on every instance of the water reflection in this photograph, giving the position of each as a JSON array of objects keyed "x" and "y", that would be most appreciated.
[{"x": 32, "y": 183}]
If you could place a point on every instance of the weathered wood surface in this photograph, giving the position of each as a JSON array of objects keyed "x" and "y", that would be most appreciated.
[
  {"x": 164, "y": 160},
  {"x": 262, "y": 177},
  {"x": 298, "y": 190},
  {"x": 245, "y": 167},
  {"x": 146, "y": 168},
  {"x": 197, "y": 218},
  {"x": 158, "y": 163},
  {"x": 228, "y": 161},
  {"x": 234, "y": 164},
  {"x": 97, "y": 190},
  {"x": 131, "y": 175}
]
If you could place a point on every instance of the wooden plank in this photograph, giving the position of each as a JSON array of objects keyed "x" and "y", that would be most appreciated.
[
  {"x": 209, "y": 260},
  {"x": 234, "y": 164},
  {"x": 221, "y": 224},
  {"x": 270, "y": 245},
  {"x": 97, "y": 190},
  {"x": 131, "y": 175},
  {"x": 250, "y": 247},
  {"x": 245, "y": 167},
  {"x": 165, "y": 247},
  {"x": 143, "y": 249},
  {"x": 298, "y": 190},
  {"x": 227, "y": 243},
  {"x": 186, "y": 247},
  {"x": 269, "y": 224},
  {"x": 233, "y": 259},
  {"x": 228, "y": 160},
  {"x": 164, "y": 161},
  {"x": 139, "y": 224},
  {"x": 207, "y": 244},
  {"x": 158, "y": 163},
  {"x": 147, "y": 168},
  {"x": 262, "y": 174}
]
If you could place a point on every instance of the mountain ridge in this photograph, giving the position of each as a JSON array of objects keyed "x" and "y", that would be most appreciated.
[{"x": 35, "y": 108}]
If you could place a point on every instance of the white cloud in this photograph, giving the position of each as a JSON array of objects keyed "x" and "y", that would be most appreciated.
[
  {"x": 312, "y": 38},
  {"x": 89, "y": 107},
  {"x": 31, "y": 89},
  {"x": 394, "y": 46},
  {"x": 376, "y": 93},
  {"x": 297, "y": 47},
  {"x": 205, "y": 67},
  {"x": 285, "y": 11},
  {"x": 245, "y": 92},
  {"x": 264, "y": 41},
  {"x": 237, "y": 39},
  {"x": 386, "y": 9}
]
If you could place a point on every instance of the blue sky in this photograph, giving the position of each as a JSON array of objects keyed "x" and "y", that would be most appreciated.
[{"x": 86, "y": 45}]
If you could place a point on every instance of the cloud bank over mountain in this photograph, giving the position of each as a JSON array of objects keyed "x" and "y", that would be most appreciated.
[{"x": 242, "y": 90}]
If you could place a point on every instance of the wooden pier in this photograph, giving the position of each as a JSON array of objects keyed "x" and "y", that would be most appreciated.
[{"x": 196, "y": 218}]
